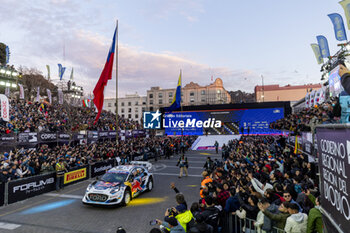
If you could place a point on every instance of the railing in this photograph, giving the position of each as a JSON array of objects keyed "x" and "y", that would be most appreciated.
[{"x": 234, "y": 224}]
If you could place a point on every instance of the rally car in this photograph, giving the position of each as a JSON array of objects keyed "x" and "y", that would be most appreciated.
[{"x": 120, "y": 184}]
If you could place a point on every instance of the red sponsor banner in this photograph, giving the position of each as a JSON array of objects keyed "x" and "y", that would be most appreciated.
[{"x": 74, "y": 175}]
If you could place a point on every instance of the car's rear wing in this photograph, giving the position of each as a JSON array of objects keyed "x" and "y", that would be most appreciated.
[{"x": 141, "y": 163}]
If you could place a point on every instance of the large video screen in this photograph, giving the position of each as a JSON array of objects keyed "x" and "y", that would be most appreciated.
[
  {"x": 335, "y": 87},
  {"x": 234, "y": 121}
]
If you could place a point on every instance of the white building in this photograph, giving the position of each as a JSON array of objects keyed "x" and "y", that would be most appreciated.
[{"x": 129, "y": 107}]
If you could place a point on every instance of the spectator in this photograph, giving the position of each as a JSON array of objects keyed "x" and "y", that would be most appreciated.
[
  {"x": 210, "y": 213},
  {"x": 200, "y": 226},
  {"x": 172, "y": 224},
  {"x": 297, "y": 222},
  {"x": 314, "y": 221},
  {"x": 278, "y": 218}
]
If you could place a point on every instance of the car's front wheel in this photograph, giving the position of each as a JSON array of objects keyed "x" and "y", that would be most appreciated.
[
  {"x": 150, "y": 184},
  {"x": 126, "y": 198}
]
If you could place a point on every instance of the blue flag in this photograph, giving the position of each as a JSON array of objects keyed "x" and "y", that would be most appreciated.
[
  {"x": 323, "y": 43},
  {"x": 177, "y": 98},
  {"x": 7, "y": 54},
  {"x": 61, "y": 70},
  {"x": 338, "y": 25}
]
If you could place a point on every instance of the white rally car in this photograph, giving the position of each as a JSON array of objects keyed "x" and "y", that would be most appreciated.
[{"x": 120, "y": 184}]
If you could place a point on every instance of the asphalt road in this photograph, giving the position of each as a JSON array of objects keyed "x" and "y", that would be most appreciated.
[{"x": 61, "y": 212}]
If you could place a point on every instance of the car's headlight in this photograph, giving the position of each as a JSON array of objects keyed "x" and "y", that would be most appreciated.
[
  {"x": 88, "y": 188},
  {"x": 114, "y": 190}
]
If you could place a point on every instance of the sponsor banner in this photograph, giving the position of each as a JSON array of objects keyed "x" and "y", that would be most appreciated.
[
  {"x": 92, "y": 136},
  {"x": 8, "y": 138},
  {"x": 103, "y": 134},
  {"x": 2, "y": 194},
  {"x": 112, "y": 134},
  {"x": 100, "y": 168},
  {"x": 48, "y": 137},
  {"x": 28, "y": 137},
  {"x": 307, "y": 143},
  {"x": 76, "y": 175},
  {"x": 22, "y": 189},
  {"x": 334, "y": 166},
  {"x": 78, "y": 137},
  {"x": 64, "y": 136}
]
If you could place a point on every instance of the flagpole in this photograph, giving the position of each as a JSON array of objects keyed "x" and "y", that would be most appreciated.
[
  {"x": 182, "y": 129},
  {"x": 116, "y": 91}
]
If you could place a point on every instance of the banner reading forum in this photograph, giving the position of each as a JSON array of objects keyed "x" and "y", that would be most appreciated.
[{"x": 334, "y": 165}]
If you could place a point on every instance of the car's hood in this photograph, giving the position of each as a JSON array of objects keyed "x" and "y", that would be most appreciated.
[{"x": 102, "y": 185}]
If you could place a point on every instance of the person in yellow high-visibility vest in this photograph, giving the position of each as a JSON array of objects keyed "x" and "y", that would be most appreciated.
[{"x": 60, "y": 170}]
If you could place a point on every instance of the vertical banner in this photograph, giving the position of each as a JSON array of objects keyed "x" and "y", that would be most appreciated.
[
  {"x": 37, "y": 94},
  {"x": 61, "y": 70},
  {"x": 7, "y": 91},
  {"x": 346, "y": 6},
  {"x": 312, "y": 98},
  {"x": 21, "y": 91},
  {"x": 317, "y": 53},
  {"x": 323, "y": 43},
  {"x": 322, "y": 95},
  {"x": 7, "y": 50},
  {"x": 49, "y": 95},
  {"x": 334, "y": 166},
  {"x": 48, "y": 72},
  {"x": 338, "y": 25},
  {"x": 5, "y": 108},
  {"x": 60, "y": 96}
]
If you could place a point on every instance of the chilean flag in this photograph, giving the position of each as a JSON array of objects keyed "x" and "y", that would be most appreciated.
[{"x": 105, "y": 76}]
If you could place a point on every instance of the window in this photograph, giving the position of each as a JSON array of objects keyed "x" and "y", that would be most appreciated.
[
  {"x": 122, "y": 110},
  {"x": 151, "y": 102},
  {"x": 143, "y": 103},
  {"x": 151, "y": 109},
  {"x": 170, "y": 100},
  {"x": 136, "y": 116},
  {"x": 129, "y": 116},
  {"x": 136, "y": 103},
  {"x": 109, "y": 104},
  {"x": 192, "y": 100},
  {"x": 123, "y": 115},
  {"x": 170, "y": 94},
  {"x": 203, "y": 92},
  {"x": 160, "y": 101},
  {"x": 203, "y": 100},
  {"x": 150, "y": 96},
  {"x": 122, "y": 103},
  {"x": 160, "y": 95},
  {"x": 191, "y": 93},
  {"x": 115, "y": 104},
  {"x": 129, "y": 110},
  {"x": 136, "y": 109},
  {"x": 129, "y": 103},
  {"x": 143, "y": 109}
]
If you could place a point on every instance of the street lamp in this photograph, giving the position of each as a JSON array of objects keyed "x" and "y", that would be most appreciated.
[{"x": 263, "y": 91}]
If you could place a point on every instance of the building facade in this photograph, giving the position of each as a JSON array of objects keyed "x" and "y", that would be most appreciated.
[
  {"x": 291, "y": 93},
  {"x": 129, "y": 107},
  {"x": 191, "y": 94}
]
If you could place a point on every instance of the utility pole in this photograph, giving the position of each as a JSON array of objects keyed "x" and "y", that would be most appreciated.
[
  {"x": 116, "y": 92},
  {"x": 263, "y": 91}
]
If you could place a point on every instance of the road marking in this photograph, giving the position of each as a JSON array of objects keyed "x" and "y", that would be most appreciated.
[
  {"x": 174, "y": 174},
  {"x": 205, "y": 153},
  {"x": 48, "y": 207},
  {"x": 8, "y": 226},
  {"x": 63, "y": 195},
  {"x": 192, "y": 185}
]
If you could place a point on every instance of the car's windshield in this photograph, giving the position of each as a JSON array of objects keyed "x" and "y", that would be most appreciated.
[{"x": 114, "y": 177}]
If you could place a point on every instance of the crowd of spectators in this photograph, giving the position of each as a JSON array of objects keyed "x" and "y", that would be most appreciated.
[
  {"x": 260, "y": 183},
  {"x": 307, "y": 119},
  {"x": 27, "y": 162},
  {"x": 26, "y": 116}
]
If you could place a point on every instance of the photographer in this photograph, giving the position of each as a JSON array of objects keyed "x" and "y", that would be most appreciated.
[{"x": 171, "y": 224}]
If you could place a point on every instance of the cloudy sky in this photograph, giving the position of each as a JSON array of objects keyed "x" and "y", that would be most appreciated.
[{"x": 237, "y": 41}]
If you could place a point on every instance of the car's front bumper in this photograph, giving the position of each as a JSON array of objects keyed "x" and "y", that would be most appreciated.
[{"x": 112, "y": 200}]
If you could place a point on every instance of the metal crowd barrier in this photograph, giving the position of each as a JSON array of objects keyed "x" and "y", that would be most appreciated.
[{"x": 234, "y": 224}]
